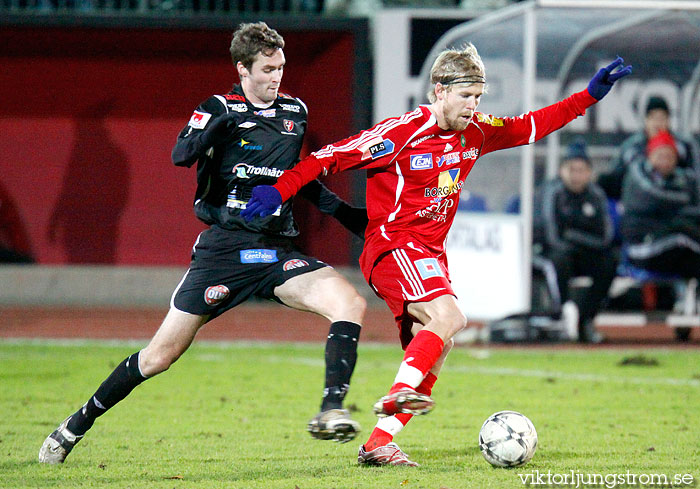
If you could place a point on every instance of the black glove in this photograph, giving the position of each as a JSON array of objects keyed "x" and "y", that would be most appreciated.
[
  {"x": 353, "y": 218},
  {"x": 218, "y": 130}
]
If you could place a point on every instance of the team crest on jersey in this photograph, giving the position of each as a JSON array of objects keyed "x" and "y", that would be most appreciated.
[
  {"x": 449, "y": 159},
  {"x": 295, "y": 263},
  {"x": 376, "y": 147},
  {"x": 422, "y": 161},
  {"x": 216, "y": 294},
  {"x": 288, "y": 125},
  {"x": 489, "y": 119},
  {"x": 463, "y": 141},
  {"x": 199, "y": 119}
]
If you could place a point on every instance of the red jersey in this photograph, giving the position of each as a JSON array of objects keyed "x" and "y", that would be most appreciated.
[{"x": 416, "y": 170}]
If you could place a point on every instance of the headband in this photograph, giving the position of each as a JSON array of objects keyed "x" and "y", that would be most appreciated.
[{"x": 464, "y": 79}]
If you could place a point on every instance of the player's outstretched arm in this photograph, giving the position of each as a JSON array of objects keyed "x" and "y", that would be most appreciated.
[{"x": 603, "y": 81}]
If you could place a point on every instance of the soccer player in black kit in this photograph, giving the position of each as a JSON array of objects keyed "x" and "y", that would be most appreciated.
[{"x": 246, "y": 137}]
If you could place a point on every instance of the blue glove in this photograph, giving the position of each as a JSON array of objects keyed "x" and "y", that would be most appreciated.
[
  {"x": 265, "y": 200},
  {"x": 602, "y": 82}
]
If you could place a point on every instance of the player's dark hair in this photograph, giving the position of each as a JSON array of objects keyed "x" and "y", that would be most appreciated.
[{"x": 253, "y": 38}]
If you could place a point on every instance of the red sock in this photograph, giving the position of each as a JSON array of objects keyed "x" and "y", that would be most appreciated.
[
  {"x": 379, "y": 437},
  {"x": 421, "y": 354}
]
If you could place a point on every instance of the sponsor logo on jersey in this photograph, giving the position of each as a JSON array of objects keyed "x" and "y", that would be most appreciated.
[
  {"x": 470, "y": 154},
  {"x": 376, "y": 148},
  {"x": 428, "y": 268},
  {"x": 290, "y": 107},
  {"x": 238, "y": 107},
  {"x": 422, "y": 161},
  {"x": 216, "y": 294},
  {"x": 288, "y": 125},
  {"x": 448, "y": 183},
  {"x": 420, "y": 140},
  {"x": 244, "y": 170},
  {"x": 437, "y": 211},
  {"x": 199, "y": 119},
  {"x": 266, "y": 112},
  {"x": 258, "y": 256},
  {"x": 489, "y": 119},
  {"x": 295, "y": 263},
  {"x": 247, "y": 145},
  {"x": 449, "y": 159},
  {"x": 234, "y": 96},
  {"x": 247, "y": 124}
]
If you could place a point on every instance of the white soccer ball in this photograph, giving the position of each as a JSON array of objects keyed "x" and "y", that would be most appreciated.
[{"x": 507, "y": 439}]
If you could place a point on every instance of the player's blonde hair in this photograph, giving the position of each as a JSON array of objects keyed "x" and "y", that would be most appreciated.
[{"x": 454, "y": 66}]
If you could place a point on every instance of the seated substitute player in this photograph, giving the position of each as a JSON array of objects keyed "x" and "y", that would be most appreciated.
[
  {"x": 416, "y": 166},
  {"x": 249, "y": 136}
]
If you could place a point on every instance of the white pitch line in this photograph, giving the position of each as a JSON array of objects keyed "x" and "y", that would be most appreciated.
[
  {"x": 545, "y": 374},
  {"x": 517, "y": 372},
  {"x": 318, "y": 362}
]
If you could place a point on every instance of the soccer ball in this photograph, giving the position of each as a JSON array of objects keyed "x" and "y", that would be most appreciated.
[{"x": 507, "y": 439}]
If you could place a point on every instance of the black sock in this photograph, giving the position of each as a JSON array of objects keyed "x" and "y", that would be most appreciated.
[
  {"x": 115, "y": 388},
  {"x": 341, "y": 355}
]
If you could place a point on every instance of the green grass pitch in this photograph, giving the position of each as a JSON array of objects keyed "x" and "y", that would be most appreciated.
[{"x": 234, "y": 416}]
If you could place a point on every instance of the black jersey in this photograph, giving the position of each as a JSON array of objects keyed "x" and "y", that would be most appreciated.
[{"x": 263, "y": 143}]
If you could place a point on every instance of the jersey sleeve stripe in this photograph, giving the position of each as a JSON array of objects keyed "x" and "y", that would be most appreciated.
[
  {"x": 534, "y": 130},
  {"x": 378, "y": 131}
]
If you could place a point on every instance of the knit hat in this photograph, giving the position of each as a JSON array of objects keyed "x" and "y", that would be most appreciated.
[
  {"x": 662, "y": 138},
  {"x": 577, "y": 149},
  {"x": 656, "y": 103}
]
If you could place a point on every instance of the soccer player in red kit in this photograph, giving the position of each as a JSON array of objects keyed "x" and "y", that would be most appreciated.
[{"x": 416, "y": 166}]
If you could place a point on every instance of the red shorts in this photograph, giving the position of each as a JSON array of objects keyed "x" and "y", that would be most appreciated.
[{"x": 405, "y": 275}]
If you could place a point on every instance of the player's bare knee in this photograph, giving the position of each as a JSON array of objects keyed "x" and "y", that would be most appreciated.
[
  {"x": 348, "y": 306},
  {"x": 153, "y": 362},
  {"x": 356, "y": 308},
  {"x": 452, "y": 323}
]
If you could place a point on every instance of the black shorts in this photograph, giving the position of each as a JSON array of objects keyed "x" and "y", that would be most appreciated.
[{"x": 229, "y": 267}]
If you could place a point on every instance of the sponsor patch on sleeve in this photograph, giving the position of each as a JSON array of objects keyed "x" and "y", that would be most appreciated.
[
  {"x": 199, "y": 119},
  {"x": 489, "y": 119},
  {"x": 376, "y": 147}
]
